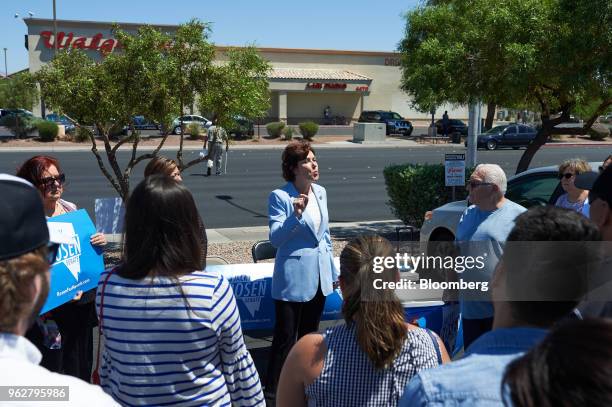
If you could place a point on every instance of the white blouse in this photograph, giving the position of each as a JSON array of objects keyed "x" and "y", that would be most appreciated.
[{"x": 313, "y": 210}]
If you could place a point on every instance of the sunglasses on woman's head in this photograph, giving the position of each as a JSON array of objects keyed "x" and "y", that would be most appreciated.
[
  {"x": 567, "y": 175},
  {"x": 48, "y": 181}
]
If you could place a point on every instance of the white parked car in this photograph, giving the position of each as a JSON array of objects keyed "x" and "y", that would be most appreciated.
[
  {"x": 187, "y": 120},
  {"x": 538, "y": 186}
]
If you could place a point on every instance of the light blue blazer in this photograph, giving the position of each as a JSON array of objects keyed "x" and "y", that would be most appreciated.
[{"x": 304, "y": 258}]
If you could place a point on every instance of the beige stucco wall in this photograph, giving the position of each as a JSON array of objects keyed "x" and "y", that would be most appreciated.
[
  {"x": 302, "y": 106},
  {"x": 384, "y": 88}
]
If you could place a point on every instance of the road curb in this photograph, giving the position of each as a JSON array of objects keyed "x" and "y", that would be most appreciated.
[{"x": 253, "y": 233}]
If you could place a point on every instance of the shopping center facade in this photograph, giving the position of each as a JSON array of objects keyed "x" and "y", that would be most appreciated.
[{"x": 303, "y": 82}]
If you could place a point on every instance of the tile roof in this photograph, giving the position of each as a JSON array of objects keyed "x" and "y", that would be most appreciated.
[{"x": 317, "y": 74}]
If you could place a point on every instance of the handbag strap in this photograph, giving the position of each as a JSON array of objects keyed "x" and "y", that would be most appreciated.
[
  {"x": 96, "y": 375},
  {"x": 435, "y": 344}
]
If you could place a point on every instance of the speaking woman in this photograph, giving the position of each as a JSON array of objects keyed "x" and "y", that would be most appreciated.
[{"x": 304, "y": 271}]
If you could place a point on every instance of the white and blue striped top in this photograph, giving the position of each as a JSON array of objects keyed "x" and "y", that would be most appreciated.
[{"x": 160, "y": 352}]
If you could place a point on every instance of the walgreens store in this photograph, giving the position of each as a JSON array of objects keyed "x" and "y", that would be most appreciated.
[{"x": 303, "y": 82}]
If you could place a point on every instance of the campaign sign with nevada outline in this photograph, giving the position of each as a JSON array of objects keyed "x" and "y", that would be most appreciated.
[
  {"x": 78, "y": 264},
  {"x": 252, "y": 287}
]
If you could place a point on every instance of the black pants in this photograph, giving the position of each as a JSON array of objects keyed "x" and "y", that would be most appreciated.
[
  {"x": 474, "y": 328},
  {"x": 75, "y": 321},
  {"x": 293, "y": 320}
]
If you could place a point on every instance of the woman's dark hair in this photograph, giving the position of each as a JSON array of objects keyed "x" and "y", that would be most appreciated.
[
  {"x": 572, "y": 366},
  {"x": 33, "y": 169},
  {"x": 295, "y": 152},
  {"x": 378, "y": 315},
  {"x": 162, "y": 235}
]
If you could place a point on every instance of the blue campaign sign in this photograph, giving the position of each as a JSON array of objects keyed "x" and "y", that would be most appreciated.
[
  {"x": 252, "y": 286},
  {"x": 78, "y": 264}
]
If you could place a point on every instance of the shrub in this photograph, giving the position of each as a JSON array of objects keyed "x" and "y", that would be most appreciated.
[
  {"x": 275, "y": 129},
  {"x": 20, "y": 125},
  {"x": 414, "y": 189},
  {"x": 82, "y": 134},
  {"x": 598, "y": 132},
  {"x": 288, "y": 132},
  {"x": 194, "y": 131},
  {"x": 47, "y": 130},
  {"x": 308, "y": 129}
]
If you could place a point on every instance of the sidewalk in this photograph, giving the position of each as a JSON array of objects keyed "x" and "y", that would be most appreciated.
[{"x": 319, "y": 142}]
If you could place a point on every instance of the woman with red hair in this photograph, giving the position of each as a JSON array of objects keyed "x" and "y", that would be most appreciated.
[{"x": 76, "y": 318}]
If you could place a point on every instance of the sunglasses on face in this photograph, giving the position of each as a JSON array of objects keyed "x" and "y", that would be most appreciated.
[
  {"x": 476, "y": 184},
  {"x": 567, "y": 175},
  {"x": 48, "y": 181}
]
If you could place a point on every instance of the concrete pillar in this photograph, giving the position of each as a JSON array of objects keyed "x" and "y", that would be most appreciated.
[{"x": 282, "y": 106}]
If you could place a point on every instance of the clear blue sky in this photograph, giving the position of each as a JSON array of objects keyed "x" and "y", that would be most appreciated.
[{"x": 328, "y": 24}]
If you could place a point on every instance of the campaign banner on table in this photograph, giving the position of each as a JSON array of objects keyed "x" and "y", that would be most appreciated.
[
  {"x": 78, "y": 264},
  {"x": 252, "y": 286}
]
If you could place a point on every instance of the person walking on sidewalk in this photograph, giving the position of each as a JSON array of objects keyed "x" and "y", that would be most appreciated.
[
  {"x": 217, "y": 136},
  {"x": 445, "y": 123},
  {"x": 304, "y": 270}
]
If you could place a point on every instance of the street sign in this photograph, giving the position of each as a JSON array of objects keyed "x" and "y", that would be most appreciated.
[{"x": 454, "y": 170}]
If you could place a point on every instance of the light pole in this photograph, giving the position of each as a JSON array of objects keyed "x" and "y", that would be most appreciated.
[
  {"x": 54, "y": 30},
  {"x": 5, "y": 65}
]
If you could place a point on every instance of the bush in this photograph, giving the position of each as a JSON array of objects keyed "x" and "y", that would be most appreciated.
[
  {"x": 47, "y": 130},
  {"x": 275, "y": 129},
  {"x": 414, "y": 189},
  {"x": 308, "y": 130},
  {"x": 82, "y": 135},
  {"x": 194, "y": 131},
  {"x": 598, "y": 132},
  {"x": 288, "y": 132},
  {"x": 20, "y": 125}
]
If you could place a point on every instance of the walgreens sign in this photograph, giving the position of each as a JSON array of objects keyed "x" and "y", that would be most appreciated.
[{"x": 70, "y": 40}]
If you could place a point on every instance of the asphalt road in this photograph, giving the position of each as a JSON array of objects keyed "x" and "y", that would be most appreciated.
[{"x": 353, "y": 179}]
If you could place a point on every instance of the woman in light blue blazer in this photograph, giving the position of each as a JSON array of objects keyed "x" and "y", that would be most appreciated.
[{"x": 304, "y": 271}]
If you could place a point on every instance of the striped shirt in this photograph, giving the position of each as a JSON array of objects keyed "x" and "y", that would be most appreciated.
[
  {"x": 349, "y": 378},
  {"x": 175, "y": 345}
]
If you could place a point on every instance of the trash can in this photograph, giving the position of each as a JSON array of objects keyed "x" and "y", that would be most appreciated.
[{"x": 456, "y": 138}]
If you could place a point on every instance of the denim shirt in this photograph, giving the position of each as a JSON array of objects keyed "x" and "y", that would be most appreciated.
[{"x": 474, "y": 380}]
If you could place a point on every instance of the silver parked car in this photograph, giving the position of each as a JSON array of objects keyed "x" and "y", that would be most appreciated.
[
  {"x": 538, "y": 186},
  {"x": 187, "y": 120}
]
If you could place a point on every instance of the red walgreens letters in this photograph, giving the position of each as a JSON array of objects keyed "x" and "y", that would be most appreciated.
[{"x": 70, "y": 41}]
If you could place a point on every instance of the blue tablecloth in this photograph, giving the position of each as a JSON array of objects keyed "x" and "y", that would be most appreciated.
[{"x": 252, "y": 285}]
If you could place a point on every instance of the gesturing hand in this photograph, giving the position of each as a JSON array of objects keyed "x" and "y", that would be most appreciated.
[{"x": 299, "y": 205}]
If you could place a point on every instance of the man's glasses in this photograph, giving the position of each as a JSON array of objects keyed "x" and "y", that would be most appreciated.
[
  {"x": 476, "y": 184},
  {"x": 567, "y": 175},
  {"x": 52, "y": 249},
  {"x": 48, "y": 181}
]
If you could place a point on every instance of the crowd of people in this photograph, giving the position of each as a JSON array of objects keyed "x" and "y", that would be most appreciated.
[{"x": 170, "y": 331}]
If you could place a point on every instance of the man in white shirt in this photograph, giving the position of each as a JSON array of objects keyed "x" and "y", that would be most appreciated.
[{"x": 25, "y": 255}]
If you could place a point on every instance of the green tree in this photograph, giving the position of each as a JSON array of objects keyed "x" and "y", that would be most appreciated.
[
  {"x": 238, "y": 87},
  {"x": 106, "y": 95},
  {"x": 553, "y": 56},
  {"x": 18, "y": 92},
  {"x": 153, "y": 74}
]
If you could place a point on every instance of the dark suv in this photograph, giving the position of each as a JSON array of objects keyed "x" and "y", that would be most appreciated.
[
  {"x": 396, "y": 124},
  {"x": 454, "y": 126}
]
